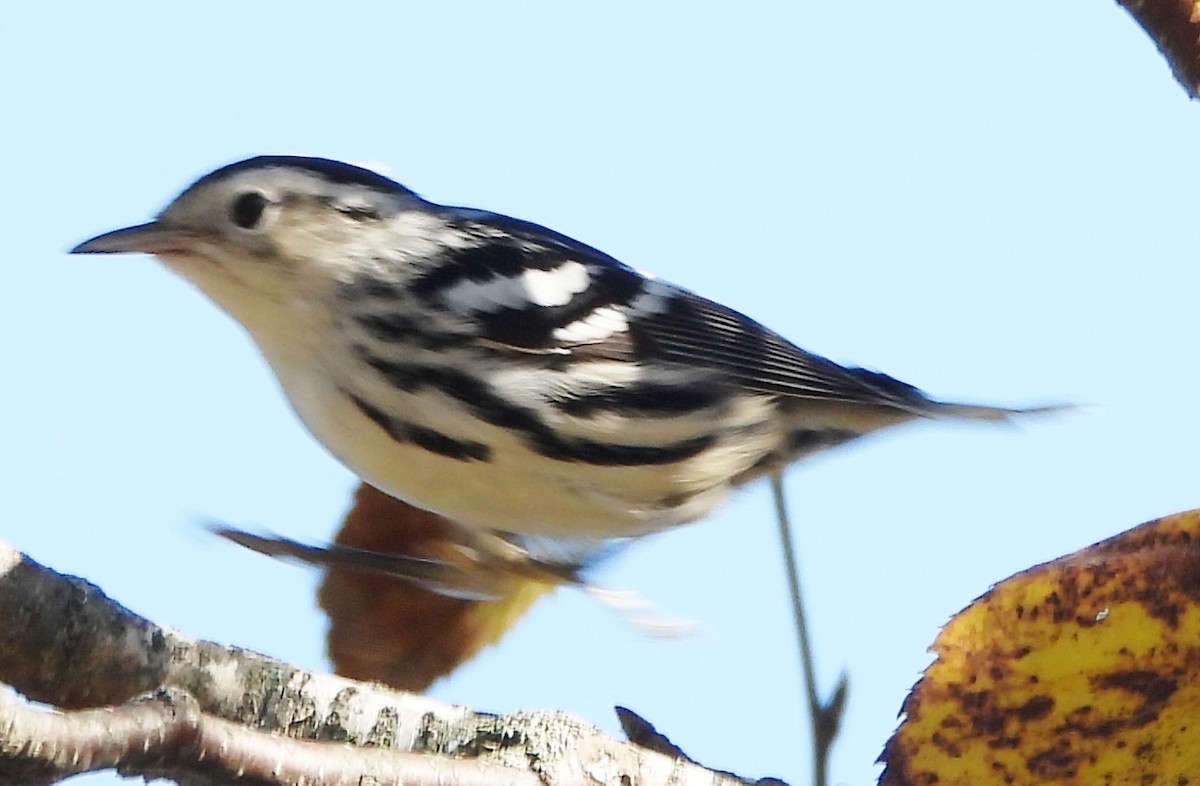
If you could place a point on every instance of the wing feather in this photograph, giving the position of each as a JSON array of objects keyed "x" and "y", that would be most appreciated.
[{"x": 673, "y": 327}]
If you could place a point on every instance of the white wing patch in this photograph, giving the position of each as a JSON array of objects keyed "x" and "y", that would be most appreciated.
[
  {"x": 608, "y": 321},
  {"x": 600, "y": 324},
  {"x": 554, "y": 287},
  {"x": 534, "y": 388}
]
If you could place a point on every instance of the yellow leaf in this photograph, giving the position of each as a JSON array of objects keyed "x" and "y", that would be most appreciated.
[{"x": 1084, "y": 670}]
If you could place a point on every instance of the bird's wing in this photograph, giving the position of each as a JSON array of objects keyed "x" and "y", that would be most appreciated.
[
  {"x": 700, "y": 331},
  {"x": 591, "y": 306}
]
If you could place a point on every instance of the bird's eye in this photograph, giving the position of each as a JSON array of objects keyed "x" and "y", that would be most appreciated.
[{"x": 247, "y": 210}]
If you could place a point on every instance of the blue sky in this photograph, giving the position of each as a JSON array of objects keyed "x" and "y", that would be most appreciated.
[{"x": 993, "y": 203}]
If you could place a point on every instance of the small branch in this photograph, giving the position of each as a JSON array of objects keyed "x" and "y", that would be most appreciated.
[
  {"x": 825, "y": 718},
  {"x": 166, "y": 736}
]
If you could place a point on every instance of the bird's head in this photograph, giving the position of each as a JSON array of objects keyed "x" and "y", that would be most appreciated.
[{"x": 276, "y": 231}]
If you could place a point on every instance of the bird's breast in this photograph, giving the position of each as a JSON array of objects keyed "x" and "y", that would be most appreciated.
[{"x": 492, "y": 464}]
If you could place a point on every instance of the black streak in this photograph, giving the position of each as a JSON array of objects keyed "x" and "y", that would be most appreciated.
[
  {"x": 499, "y": 257},
  {"x": 657, "y": 399},
  {"x": 493, "y": 409},
  {"x": 434, "y": 441},
  {"x": 522, "y": 247},
  {"x": 396, "y": 329}
]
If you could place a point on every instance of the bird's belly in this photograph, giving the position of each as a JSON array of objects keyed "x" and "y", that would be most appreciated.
[{"x": 513, "y": 488}]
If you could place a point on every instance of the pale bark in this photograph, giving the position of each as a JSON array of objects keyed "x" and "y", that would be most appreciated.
[{"x": 147, "y": 700}]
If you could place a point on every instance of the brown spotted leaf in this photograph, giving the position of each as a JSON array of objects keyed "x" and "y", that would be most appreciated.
[
  {"x": 387, "y": 630},
  {"x": 1084, "y": 670},
  {"x": 1175, "y": 27}
]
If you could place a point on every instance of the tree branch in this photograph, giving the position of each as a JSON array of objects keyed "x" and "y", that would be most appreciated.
[{"x": 201, "y": 714}]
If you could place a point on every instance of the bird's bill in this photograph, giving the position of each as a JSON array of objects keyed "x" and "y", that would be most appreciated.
[{"x": 152, "y": 238}]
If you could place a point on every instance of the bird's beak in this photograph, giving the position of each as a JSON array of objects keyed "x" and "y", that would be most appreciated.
[{"x": 152, "y": 238}]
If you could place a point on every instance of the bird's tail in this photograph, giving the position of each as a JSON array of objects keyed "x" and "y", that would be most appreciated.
[{"x": 942, "y": 409}]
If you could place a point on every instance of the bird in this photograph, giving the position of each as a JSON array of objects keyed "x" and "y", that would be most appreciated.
[{"x": 495, "y": 372}]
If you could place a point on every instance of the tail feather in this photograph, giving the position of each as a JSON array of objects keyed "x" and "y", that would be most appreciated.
[
  {"x": 891, "y": 392},
  {"x": 942, "y": 409}
]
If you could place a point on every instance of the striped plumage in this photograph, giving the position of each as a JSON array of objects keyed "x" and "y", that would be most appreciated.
[{"x": 497, "y": 372}]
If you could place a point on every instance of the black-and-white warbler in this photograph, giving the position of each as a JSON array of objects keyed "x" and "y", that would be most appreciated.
[{"x": 497, "y": 372}]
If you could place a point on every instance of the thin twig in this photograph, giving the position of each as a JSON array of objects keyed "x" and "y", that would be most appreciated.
[{"x": 824, "y": 717}]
